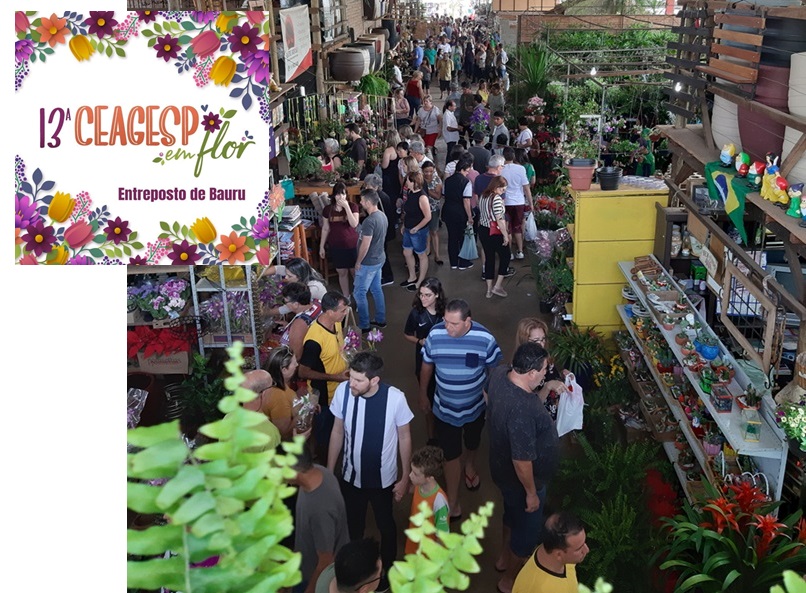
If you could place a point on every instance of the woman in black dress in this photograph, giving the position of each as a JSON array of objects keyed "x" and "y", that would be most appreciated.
[{"x": 389, "y": 162}]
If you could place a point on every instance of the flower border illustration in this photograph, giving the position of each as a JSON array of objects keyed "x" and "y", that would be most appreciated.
[
  {"x": 227, "y": 48},
  {"x": 55, "y": 228}
]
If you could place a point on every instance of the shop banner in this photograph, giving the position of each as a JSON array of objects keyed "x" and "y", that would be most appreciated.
[
  {"x": 295, "y": 25},
  {"x": 141, "y": 137}
]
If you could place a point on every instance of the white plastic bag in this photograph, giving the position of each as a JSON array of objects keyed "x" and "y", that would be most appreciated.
[
  {"x": 569, "y": 410},
  {"x": 530, "y": 227}
]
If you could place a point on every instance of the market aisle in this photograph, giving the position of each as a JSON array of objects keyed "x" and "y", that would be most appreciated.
[{"x": 501, "y": 317}]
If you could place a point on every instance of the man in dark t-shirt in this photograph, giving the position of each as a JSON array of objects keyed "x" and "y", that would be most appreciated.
[
  {"x": 358, "y": 149},
  {"x": 523, "y": 452}
]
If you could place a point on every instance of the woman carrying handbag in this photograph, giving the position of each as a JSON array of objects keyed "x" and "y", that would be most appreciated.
[{"x": 494, "y": 235}]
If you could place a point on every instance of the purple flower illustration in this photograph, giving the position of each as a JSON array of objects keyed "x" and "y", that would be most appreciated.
[
  {"x": 183, "y": 254},
  {"x": 117, "y": 231},
  {"x": 203, "y": 16},
  {"x": 138, "y": 260},
  {"x": 262, "y": 228},
  {"x": 24, "y": 211},
  {"x": 147, "y": 16},
  {"x": 80, "y": 260},
  {"x": 102, "y": 23},
  {"x": 244, "y": 39},
  {"x": 212, "y": 122},
  {"x": 167, "y": 47},
  {"x": 258, "y": 64},
  {"x": 39, "y": 238},
  {"x": 23, "y": 49}
]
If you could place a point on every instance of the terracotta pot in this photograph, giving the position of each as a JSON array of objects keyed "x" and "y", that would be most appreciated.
[{"x": 581, "y": 177}]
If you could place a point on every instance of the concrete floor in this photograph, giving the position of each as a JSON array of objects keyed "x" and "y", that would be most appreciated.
[{"x": 500, "y": 316}]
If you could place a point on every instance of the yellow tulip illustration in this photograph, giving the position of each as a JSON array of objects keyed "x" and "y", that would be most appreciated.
[
  {"x": 223, "y": 70},
  {"x": 61, "y": 207},
  {"x": 204, "y": 230},
  {"x": 81, "y": 47},
  {"x": 225, "y": 22},
  {"x": 58, "y": 256}
]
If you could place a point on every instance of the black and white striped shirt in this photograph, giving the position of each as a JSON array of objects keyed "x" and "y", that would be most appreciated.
[{"x": 370, "y": 434}]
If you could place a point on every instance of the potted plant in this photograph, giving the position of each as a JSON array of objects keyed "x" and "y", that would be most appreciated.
[
  {"x": 581, "y": 154},
  {"x": 349, "y": 168},
  {"x": 732, "y": 541},
  {"x": 791, "y": 418},
  {"x": 199, "y": 395},
  {"x": 751, "y": 398},
  {"x": 372, "y": 84},
  {"x": 581, "y": 351},
  {"x": 554, "y": 280},
  {"x": 712, "y": 442},
  {"x": 163, "y": 351}
]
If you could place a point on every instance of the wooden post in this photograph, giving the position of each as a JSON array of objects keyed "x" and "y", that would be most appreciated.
[{"x": 321, "y": 54}]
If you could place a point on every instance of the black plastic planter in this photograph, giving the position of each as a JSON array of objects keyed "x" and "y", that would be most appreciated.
[{"x": 609, "y": 178}]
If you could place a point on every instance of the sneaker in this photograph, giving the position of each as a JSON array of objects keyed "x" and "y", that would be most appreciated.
[
  {"x": 377, "y": 324},
  {"x": 519, "y": 255},
  {"x": 467, "y": 267},
  {"x": 387, "y": 282},
  {"x": 510, "y": 272},
  {"x": 454, "y": 267},
  {"x": 405, "y": 283},
  {"x": 412, "y": 287}
]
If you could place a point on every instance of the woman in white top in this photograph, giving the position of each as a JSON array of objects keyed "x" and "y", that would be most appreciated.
[
  {"x": 428, "y": 123},
  {"x": 450, "y": 126},
  {"x": 297, "y": 269}
]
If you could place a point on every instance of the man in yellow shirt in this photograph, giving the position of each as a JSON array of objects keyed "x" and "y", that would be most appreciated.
[
  {"x": 323, "y": 365},
  {"x": 552, "y": 568}
]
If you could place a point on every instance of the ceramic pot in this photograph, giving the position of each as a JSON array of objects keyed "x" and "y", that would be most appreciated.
[
  {"x": 711, "y": 449},
  {"x": 348, "y": 64},
  {"x": 581, "y": 177}
]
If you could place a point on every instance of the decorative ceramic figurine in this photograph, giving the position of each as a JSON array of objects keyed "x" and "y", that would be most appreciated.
[
  {"x": 779, "y": 187},
  {"x": 727, "y": 154},
  {"x": 772, "y": 162},
  {"x": 795, "y": 192},
  {"x": 742, "y": 164},
  {"x": 756, "y": 174}
]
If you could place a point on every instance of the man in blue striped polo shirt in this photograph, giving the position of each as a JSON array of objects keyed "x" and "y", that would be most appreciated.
[{"x": 460, "y": 352}]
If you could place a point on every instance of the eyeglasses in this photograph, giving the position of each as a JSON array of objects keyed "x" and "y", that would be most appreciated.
[
  {"x": 375, "y": 580},
  {"x": 538, "y": 340}
]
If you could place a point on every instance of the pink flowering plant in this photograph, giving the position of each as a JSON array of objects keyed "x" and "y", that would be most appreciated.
[
  {"x": 166, "y": 299},
  {"x": 535, "y": 106}
]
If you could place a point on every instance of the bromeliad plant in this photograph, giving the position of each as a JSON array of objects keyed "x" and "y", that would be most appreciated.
[
  {"x": 733, "y": 543},
  {"x": 220, "y": 500}
]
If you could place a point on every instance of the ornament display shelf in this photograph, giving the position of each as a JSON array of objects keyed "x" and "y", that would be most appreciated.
[
  {"x": 677, "y": 411},
  {"x": 770, "y": 445}
]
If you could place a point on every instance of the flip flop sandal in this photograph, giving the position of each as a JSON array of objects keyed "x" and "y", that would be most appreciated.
[{"x": 472, "y": 483}]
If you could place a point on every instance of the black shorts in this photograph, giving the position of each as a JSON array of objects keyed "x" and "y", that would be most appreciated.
[
  {"x": 444, "y": 85},
  {"x": 343, "y": 258},
  {"x": 450, "y": 437}
]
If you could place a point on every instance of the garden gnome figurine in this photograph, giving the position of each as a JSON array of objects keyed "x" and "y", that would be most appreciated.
[
  {"x": 795, "y": 192},
  {"x": 742, "y": 164},
  {"x": 779, "y": 188},
  {"x": 727, "y": 154},
  {"x": 756, "y": 174}
]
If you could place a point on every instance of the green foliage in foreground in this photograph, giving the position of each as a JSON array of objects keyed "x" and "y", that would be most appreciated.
[
  {"x": 444, "y": 563},
  {"x": 222, "y": 499}
]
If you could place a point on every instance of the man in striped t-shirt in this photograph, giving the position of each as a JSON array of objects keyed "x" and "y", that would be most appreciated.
[
  {"x": 460, "y": 352},
  {"x": 371, "y": 426}
]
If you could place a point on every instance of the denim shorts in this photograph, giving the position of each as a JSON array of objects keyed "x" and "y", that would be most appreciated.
[{"x": 417, "y": 241}]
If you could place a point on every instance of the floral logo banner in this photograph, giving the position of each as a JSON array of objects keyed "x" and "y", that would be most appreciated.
[
  {"x": 141, "y": 137},
  {"x": 295, "y": 25}
]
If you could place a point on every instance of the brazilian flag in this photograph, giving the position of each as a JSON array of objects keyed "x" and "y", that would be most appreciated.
[{"x": 725, "y": 187}]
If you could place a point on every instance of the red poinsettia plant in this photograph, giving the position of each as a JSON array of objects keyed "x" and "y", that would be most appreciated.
[
  {"x": 149, "y": 341},
  {"x": 733, "y": 542}
]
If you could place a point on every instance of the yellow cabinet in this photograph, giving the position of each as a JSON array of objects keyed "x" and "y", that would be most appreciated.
[{"x": 610, "y": 226}]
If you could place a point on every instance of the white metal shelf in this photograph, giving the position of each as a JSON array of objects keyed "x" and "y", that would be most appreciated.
[
  {"x": 731, "y": 424},
  {"x": 674, "y": 405}
]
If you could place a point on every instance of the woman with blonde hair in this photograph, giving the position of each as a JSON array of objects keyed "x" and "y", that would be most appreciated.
[
  {"x": 532, "y": 329},
  {"x": 389, "y": 162},
  {"x": 401, "y": 109}
]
